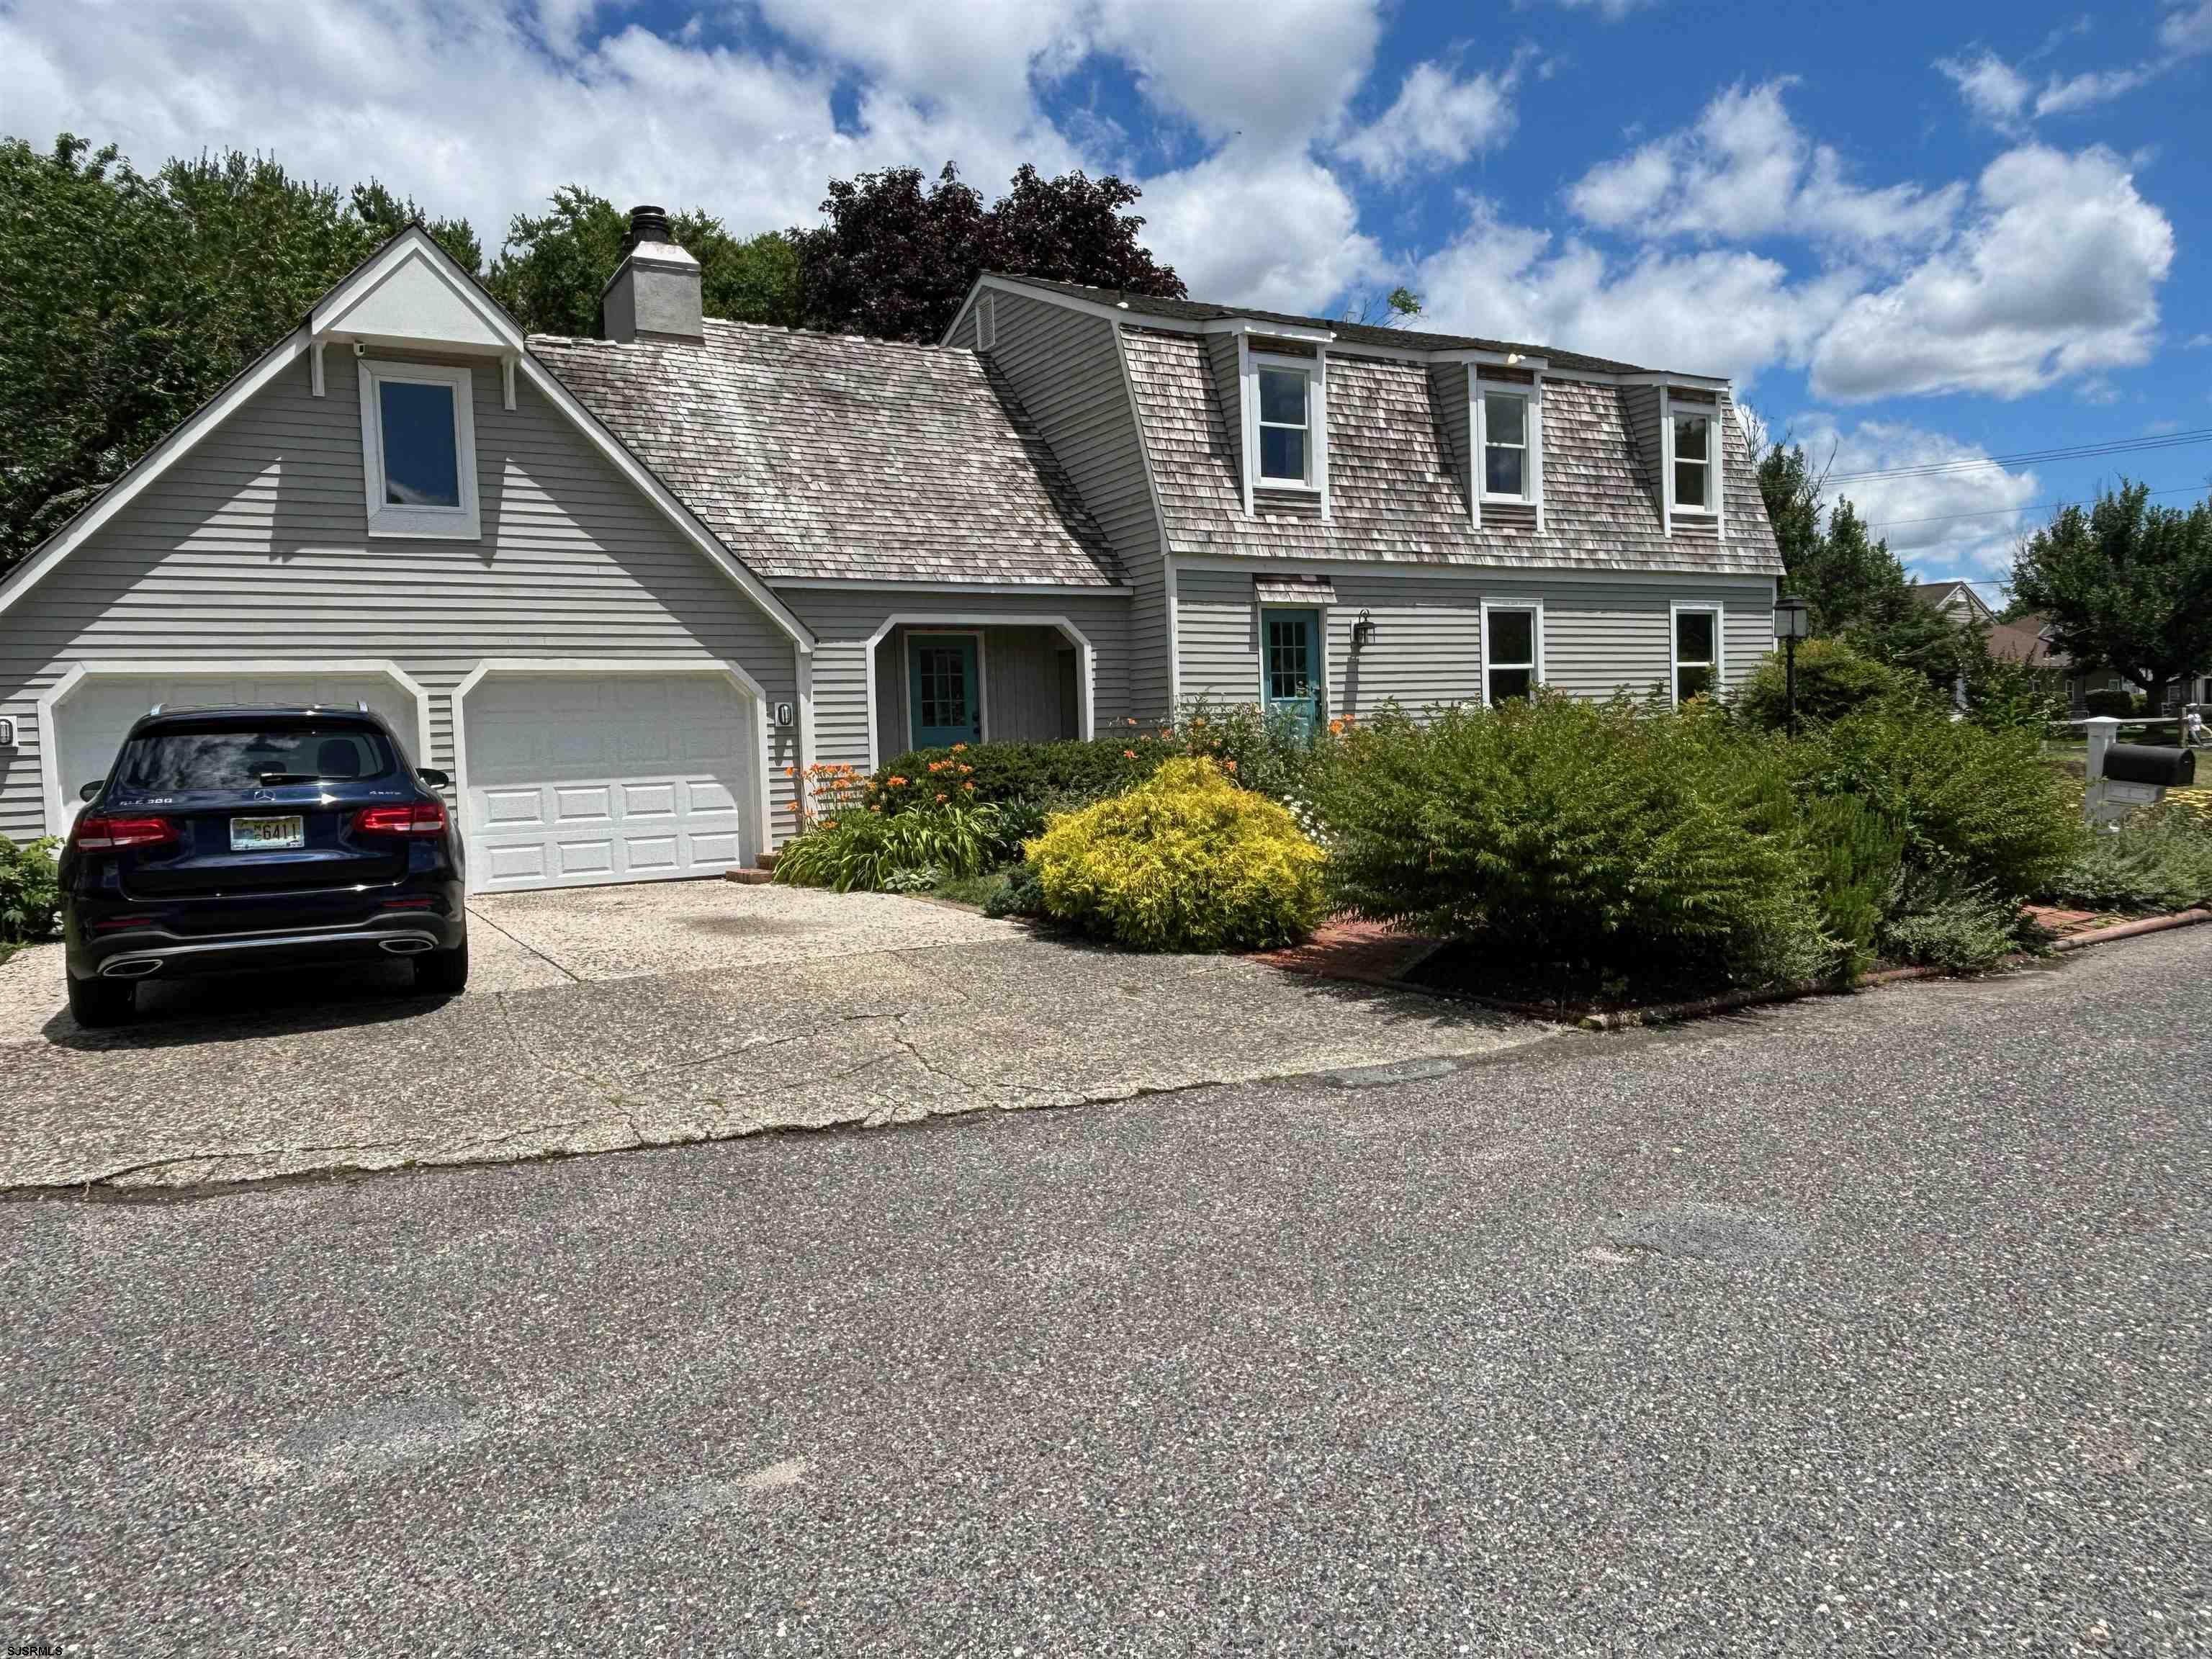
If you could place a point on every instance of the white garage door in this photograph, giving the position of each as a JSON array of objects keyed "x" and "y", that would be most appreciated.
[
  {"x": 582, "y": 778},
  {"x": 91, "y": 720}
]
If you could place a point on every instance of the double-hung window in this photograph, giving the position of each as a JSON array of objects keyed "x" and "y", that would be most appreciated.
[
  {"x": 1693, "y": 463},
  {"x": 1285, "y": 427},
  {"x": 418, "y": 449},
  {"x": 1505, "y": 471},
  {"x": 1696, "y": 653},
  {"x": 1508, "y": 651}
]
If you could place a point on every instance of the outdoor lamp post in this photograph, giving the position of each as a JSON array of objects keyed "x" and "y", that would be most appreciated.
[{"x": 1793, "y": 621}]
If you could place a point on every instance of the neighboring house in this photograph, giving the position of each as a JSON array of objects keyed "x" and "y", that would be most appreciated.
[
  {"x": 627, "y": 590},
  {"x": 2027, "y": 640},
  {"x": 1956, "y": 600}
]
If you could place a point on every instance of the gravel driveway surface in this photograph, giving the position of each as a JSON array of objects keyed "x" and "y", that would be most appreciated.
[{"x": 1864, "y": 1325}]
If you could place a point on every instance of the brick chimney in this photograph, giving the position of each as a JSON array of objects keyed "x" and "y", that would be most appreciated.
[{"x": 654, "y": 292}]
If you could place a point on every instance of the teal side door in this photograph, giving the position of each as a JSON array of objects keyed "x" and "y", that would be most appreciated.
[
  {"x": 1290, "y": 666},
  {"x": 943, "y": 696}
]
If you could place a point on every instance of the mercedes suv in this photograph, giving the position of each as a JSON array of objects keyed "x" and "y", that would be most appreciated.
[{"x": 230, "y": 838}]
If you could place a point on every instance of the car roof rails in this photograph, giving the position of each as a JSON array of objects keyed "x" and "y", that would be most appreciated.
[
  {"x": 361, "y": 704},
  {"x": 155, "y": 709}
]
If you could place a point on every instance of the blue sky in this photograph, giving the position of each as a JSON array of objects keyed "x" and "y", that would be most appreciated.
[{"x": 1916, "y": 235}]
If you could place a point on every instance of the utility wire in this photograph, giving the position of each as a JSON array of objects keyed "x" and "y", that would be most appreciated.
[
  {"x": 2026, "y": 458},
  {"x": 2033, "y": 507}
]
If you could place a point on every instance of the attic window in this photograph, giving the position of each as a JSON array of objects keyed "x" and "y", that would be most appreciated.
[
  {"x": 1505, "y": 473},
  {"x": 418, "y": 449},
  {"x": 1285, "y": 427},
  {"x": 1693, "y": 466}
]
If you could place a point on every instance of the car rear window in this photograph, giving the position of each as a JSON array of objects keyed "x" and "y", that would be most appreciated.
[{"x": 253, "y": 756}]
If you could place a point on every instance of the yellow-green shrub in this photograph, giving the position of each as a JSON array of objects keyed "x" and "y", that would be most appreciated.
[{"x": 1185, "y": 861}]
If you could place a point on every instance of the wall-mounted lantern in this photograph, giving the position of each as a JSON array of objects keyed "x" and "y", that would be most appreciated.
[{"x": 1363, "y": 632}]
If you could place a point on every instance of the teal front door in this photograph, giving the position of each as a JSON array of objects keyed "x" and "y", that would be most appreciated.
[
  {"x": 942, "y": 693},
  {"x": 1290, "y": 664}
]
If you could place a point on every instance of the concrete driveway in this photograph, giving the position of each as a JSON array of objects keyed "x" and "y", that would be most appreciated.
[{"x": 623, "y": 1016}]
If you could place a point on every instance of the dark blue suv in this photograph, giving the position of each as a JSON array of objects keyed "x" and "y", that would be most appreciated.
[{"x": 225, "y": 839}]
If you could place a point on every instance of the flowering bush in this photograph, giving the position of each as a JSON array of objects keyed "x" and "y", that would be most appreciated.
[
  {"x": 849, "y": 841},
  {"x": 1184, "y": 861}
]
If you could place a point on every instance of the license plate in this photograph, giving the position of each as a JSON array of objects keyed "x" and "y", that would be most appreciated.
[{"x": 264, "y": 834}]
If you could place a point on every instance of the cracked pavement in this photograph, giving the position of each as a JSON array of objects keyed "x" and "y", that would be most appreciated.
[{"x": 624, "y": 1017}]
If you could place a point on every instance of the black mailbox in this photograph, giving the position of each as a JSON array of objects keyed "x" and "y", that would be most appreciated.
[{"x": 2151, "y": 762}]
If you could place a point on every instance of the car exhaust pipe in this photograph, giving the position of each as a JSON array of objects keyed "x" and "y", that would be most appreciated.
[
  {"x": 407, "y": 947},
  {"x": 131, "y": 968}
]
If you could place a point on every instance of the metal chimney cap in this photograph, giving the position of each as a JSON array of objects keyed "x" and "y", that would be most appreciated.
[{"x": 649, "y": 224}]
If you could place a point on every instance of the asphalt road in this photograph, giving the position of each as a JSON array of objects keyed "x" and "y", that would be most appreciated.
[{"x": 1865, "y": 1325}]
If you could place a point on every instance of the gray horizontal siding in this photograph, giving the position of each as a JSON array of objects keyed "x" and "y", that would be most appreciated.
[
  {"x": 1066, "y": 368},
  {"x": 843, "y": 620},
  {"x": 1599, "y": 637},
  {"x": 253, "y": 546}
]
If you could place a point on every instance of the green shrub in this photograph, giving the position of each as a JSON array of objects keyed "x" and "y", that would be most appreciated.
[
  {"x": 1601, "y": 834},
  {"x": 30, "y": 890},
  {"x": 1079, "y": 768},
  {"x": 1022, "y": 894},
  {"x": 1832, "y": 681},
  {"x": 2112, "y": 702},
  {"x": 1854, "y": 856},
  {"x": 862, "y": 849},
  {"x": 1184, "y": 861},
  {"x": 1936, "y": 920},
  {"x": 2157, "y": 860},
  {"x": 1978, "y": 802}
]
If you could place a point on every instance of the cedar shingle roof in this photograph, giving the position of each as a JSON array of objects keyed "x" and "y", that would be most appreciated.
[
  {"x": 1393, "y": 497},
  {"x": 824, "y": 455}
]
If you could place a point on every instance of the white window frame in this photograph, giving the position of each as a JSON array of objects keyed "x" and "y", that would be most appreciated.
[
  {"x": 1307, "y": 370},
  {"x": 1710, "y": 414},
  {"x": 460, "y": 522},
  {"x": 1675, "y": 611},
  {"x": 1484, "y": 392},
  {"x": 1536, "y": 644}
]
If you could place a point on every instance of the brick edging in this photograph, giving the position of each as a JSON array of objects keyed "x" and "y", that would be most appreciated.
[{"x": 1727, "y": 1001}]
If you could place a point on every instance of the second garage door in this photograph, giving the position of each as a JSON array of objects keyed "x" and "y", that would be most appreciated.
[{"x": 583, "y": 778}]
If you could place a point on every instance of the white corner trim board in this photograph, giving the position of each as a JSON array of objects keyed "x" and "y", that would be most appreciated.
[
  {"x": 49, "y": 700},
  {"x": 757, "y": 699},
  {"x": 965, "y": 622}
]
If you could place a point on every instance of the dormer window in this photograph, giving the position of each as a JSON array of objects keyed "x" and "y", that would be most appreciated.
[
  {"x": 418, "y": 449},
  {"x": 1506, "y": 472},
  {"x": 1693, "y": 464},
  {"x": 1285, "y": 427}
]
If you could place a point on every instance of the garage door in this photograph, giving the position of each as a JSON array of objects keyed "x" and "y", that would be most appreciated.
[
  {"x": 575, "y": 779},
  {"x": 91, "y": 720}
]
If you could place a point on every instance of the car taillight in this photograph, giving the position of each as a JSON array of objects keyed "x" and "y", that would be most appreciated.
[
  {"x": 94, "y": 831},
  {"x": 420, "y": 818}
]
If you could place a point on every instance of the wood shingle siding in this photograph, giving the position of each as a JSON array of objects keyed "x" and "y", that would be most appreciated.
[{"x": 253, "y": 548}]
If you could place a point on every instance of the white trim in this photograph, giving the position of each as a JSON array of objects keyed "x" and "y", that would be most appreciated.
[
  {"x": 151, "y": 466},
  {"x": 1535, "y": 436},
  {"x": 1516, "y": 572},
  {"x": 1671, "y": 508},
  {"x": 1507, "y": 602},
  {"x": 548, "y": 387},
  {"x": 507, "y": 382},
  {"x": 982, "y": 719},
  {"x": 1248, "y": 397},
  {"x": 1719, "y": 612},
  {"x": 387, "y": 519},
  {"x": 1086, "y": 666},
  {"x": 1474, "y": 446},
  {"x": 315, "y": 387},
  {"x": 763, "y": 752},
  {"x": 1012, "y": 590},
  {"x": 50, "y": 750},
  {"x": 329, "y": 315},
  {"x": 1317, "y": 426},
  {"x": 1319, "y": 610},
  {"x": 987, "y": 322},
  {"x": 1171, "y": 575}
]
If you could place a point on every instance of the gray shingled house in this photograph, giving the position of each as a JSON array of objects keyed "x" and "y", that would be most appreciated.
[{"x": 627, "y": 589}]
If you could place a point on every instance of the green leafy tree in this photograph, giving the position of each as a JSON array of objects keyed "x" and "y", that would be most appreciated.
[
  {"x": 896, "y": 258},
  {"x": 554, "y": 266},
  {"x": 2125, "y": 584},
  {"x": 126, "y": 301},
  {"x": 385, "y": 215}
]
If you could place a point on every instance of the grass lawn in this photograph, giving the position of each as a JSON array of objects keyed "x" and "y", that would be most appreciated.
[{"x": 976, "y": 891}]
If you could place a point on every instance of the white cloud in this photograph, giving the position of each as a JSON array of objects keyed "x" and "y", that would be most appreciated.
[
  {"x": 1209, "y": 66},
  {"x": 2089, "y": 88},
  {"x": 1993, "y": 89},
  {"x": 2197, "y": 343},
  {"x": 1438, "y": 120},
  {"x": 1958, "y": 522},
  {"x": 2056, "y": 276},
  {"x": 1612, "y": 10},
  {"x": 1279, "y": 233},
  {"x": 2186, "y": 29},
  {"x": 1744, "y": 171}
]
